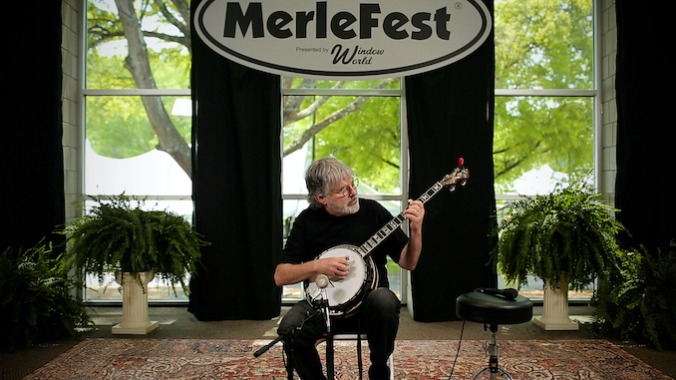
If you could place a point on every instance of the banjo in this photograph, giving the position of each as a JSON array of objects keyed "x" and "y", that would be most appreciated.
[{"x": 345, "y": 296}]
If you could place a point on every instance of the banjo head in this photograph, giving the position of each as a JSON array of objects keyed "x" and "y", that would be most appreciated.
[{"x": 345, "y": 294}]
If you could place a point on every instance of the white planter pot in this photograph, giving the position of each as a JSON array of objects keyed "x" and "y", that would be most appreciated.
[
  {"x": 135, "y": 318},
  {"x": 555, "y": 309}
]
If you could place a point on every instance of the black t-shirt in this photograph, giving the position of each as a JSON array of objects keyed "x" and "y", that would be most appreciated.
[{"x": 314, "y": 231}]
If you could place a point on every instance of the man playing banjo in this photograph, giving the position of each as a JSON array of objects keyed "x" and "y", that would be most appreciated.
[{"x": 328, "y": 239}]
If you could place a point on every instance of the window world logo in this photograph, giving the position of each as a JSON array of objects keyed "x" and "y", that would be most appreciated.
[{"x": 343, "y": 39}]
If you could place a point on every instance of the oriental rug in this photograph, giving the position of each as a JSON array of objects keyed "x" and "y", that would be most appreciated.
[{"x": 141, "y": 358}]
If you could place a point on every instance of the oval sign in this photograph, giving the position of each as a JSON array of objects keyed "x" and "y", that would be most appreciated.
[{"x": 343, "y": 39}]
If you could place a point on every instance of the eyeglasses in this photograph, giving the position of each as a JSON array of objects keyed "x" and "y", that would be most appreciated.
[{"x": 347, "y": 190}]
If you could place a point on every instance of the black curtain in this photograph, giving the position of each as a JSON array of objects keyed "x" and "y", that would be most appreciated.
[
  {"x": 450, "y": 115},
  {"x": 236, "y": 187},
  {"x": 33, "y": 201},
  {"x": 644, "y": 192}
]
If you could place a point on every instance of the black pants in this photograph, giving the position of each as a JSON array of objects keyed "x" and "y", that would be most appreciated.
[{"x": 378, "y": 317}]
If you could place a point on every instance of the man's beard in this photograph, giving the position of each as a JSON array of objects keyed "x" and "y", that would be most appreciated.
[{"x": 347, "y": 209}]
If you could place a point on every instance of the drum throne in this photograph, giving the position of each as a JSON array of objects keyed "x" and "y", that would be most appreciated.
[{"x": 492, "y": 309}]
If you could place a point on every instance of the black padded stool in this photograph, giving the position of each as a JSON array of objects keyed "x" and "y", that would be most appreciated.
[{"x": 500, "y": 308}]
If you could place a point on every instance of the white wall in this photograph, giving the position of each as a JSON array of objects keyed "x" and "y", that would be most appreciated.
[
  {"x": 609, "y": 119},
  {"x": 70, "y": 46}
]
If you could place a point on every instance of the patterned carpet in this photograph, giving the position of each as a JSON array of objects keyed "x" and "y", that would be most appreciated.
[{"x": 413, "y": 360}]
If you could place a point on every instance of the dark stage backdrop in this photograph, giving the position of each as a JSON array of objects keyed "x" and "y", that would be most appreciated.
[
  {"x": 450, "y": 115},
  {"x": 236, "y": 187},
  {"x": 33, "y": 200},
  {"x": 646, "y": 158}
]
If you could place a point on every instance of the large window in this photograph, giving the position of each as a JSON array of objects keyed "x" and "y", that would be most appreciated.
[
  {"x": 358, "y": 122},
  {"x": 136, "y": 100},
  {"x": 546, "y": 105},
  {"x": 137, "y": 113}
]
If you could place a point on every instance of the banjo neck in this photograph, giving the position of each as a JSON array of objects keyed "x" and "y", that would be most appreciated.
[{"x": 458, "y": 176}]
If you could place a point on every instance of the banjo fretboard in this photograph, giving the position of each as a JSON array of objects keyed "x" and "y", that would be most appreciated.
[{"x": 458, "y": 176}]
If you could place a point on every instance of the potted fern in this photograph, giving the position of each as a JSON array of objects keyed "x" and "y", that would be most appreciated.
[
  {"x": 37, "y": 304},
  {"x": 117, "y": 235},
  {"x": 566, "y": 238}
]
